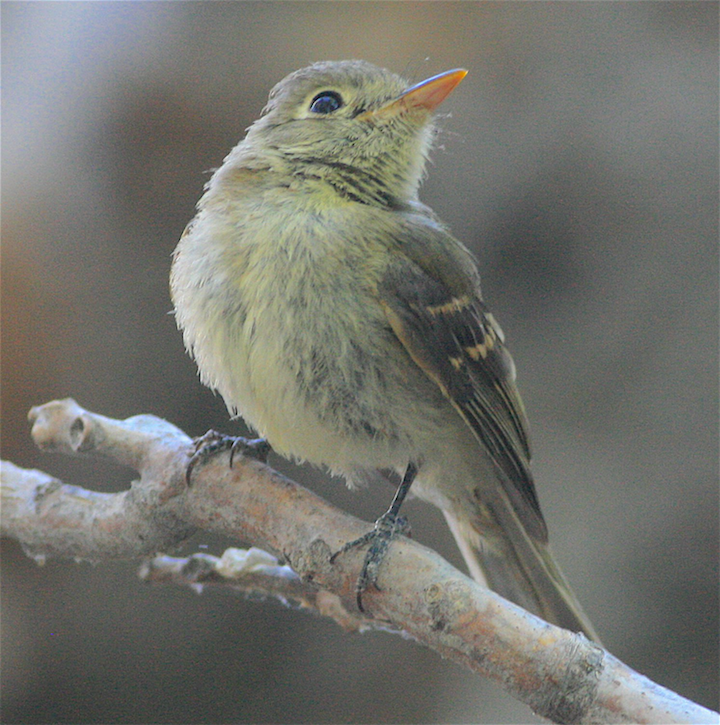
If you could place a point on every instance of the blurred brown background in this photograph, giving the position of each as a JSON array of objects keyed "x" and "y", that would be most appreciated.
[{"x": 580, "y": 163}]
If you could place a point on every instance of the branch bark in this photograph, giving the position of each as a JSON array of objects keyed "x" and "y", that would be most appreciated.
[{"x": 560, "y": 675}]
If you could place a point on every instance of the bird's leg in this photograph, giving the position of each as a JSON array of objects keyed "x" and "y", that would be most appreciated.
[
  {"x": 386, "y": 528},
  {"x": 212, "y": 443}
]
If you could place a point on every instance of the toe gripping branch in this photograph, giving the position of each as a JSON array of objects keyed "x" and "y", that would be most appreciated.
[
  {"x": 209, "y": 445},
  {"x": 387, "y": 527}
]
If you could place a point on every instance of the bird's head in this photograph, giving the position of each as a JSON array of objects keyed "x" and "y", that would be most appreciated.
[{"x": 357, "y": 127}]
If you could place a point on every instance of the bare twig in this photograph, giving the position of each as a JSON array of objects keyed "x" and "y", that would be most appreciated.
[
  {"x": 253, "y": 572},
  {"x": 558, "y": 674}
]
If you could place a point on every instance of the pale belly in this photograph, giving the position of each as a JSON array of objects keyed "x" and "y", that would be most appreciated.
[{"x": 294, "y": 339}]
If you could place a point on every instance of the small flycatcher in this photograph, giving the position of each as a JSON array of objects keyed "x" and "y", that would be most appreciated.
[{"x": 337, "y": 314}]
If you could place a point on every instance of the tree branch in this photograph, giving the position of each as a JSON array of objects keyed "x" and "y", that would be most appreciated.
[
  {"x": 253, "y": 572},
  {"x": 560, "y": 675}
]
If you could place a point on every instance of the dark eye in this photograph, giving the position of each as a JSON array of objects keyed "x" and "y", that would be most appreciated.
[{"x": 326, "y": 102}]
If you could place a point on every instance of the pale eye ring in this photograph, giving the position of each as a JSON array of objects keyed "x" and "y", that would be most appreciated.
[{"x": 326, "y": 102}]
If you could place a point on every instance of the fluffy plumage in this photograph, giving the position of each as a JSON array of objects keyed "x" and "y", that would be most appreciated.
[{"x": 343, "y": 321}]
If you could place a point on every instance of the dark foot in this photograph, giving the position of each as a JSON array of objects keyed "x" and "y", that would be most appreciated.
[
  {"x": 212, "y": 443},
  {"x": 387, "y": 527}
]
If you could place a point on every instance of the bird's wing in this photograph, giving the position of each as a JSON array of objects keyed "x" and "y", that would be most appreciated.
[{"x": 457, "y": 343}]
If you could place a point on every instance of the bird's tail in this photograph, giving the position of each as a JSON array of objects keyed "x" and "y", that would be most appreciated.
[{"x": 522, "y": 570}]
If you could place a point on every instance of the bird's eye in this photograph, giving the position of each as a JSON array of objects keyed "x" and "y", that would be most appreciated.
[{"x": 326, "y": 102}]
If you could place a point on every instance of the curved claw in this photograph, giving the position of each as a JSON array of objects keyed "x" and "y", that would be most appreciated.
[
  {"x": 212, "y": 443},
  {"x": 386, "y": 528}
]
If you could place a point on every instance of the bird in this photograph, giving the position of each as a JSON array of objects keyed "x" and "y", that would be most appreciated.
[{"x": 338, "y": 315}]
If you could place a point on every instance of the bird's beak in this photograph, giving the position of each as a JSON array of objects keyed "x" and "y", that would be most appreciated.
[{"x": 427, "y": 95}]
